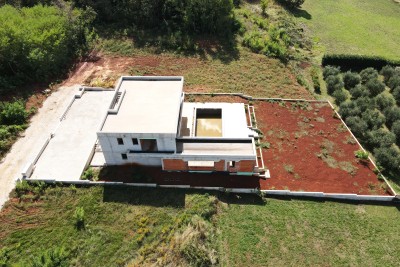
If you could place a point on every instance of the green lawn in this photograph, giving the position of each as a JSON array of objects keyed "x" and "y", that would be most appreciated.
[
  {"x": 367, "y": 27},
  {"x": 307, "y": 233}
]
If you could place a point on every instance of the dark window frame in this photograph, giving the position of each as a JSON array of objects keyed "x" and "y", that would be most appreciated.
[
  {"x": 135, "y": 141},
  {"x": 124, "y": 156},
  {"x": 120, "y": 141}
]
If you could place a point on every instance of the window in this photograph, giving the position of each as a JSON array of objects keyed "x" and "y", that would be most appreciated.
[
  {"x": 120, "y": 141},
  {"x": 135, "y": 141},
  {"x": 149, "y": 145},
  {"x": 124, "y": 156},
  {"x": 232, "y": 164}
]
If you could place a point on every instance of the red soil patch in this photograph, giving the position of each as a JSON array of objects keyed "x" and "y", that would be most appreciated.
[{"x": 312, "y": 151}]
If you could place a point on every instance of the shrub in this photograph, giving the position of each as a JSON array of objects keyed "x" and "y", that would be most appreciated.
[
  {"x": 333, "y": 83},
  {"x": 357, "y": 126},
  {"x": 351, "y": 79},
  {"x": 264, "y": 6},
  {"x": 22, "y": 187},
  {"x": 340, "y": 96},
  {"x": 384, "y": 101},
  {"x": 388, "y": 158},
  {"x": 392, "y": 114},
  {"x": 373, "y": 118},
  {"x": 387, "y": 72},
  {"x": 368, "y": 74},
  {"x": 12, "y": 113},
  {"x": 396, "y": 131},
  {"x": 330, "y": 71},
  {"x": 88, "y": 174},
  {"x": 380, "y": 138},
  {"x": 55, "y": 257},
  {"x": 375, "y": 87},
  {"x": 361, "y": 154},
  {"x": 315, "y": 80},
  {"x": 79, "y": 216},
  {"x": 359, "y": 91},
  {"x": 356, "y": 62}
]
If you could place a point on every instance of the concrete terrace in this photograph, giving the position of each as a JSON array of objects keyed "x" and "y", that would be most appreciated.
[{"x": 67, "y": 153}]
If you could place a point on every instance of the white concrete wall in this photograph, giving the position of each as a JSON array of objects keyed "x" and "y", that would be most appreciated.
[{"x": 112, "y": 150}]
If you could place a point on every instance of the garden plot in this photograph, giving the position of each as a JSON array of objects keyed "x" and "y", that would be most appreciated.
[{"x": 310, "y": 149}]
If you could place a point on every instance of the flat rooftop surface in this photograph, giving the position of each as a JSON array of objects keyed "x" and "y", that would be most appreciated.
[
  {"x": 232, "y": 149},
  {"x": 234, "y": 124},
  {"x": 68, "y": 151},
  {"x": 148, "y": 107}
]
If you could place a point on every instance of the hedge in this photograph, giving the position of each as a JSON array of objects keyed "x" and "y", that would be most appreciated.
[{"x": 357, "y": 62}]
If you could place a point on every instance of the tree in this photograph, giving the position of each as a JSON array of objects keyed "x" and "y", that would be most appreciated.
[
  {"x": 330, "y": 71},
  {"x": 368, "y": 74},
  {"x": 396, "y": 131},
  {"x": 357, "y": 126},
  {"x": 333, "y": 83},
  {"x": 364, "y": 103},
  {"x": 392, "y": 114},
  {"x": 375, "y": 87},
  {"x": 340, "y": 96},
  {"x": 396, "y": 94},
  {"x": 388, "y": 158},
  {"x": 384, "y": 101},
  {"x": 359, "y": 91},
  {"x": 387, "y": 72},
  {"x": 394, "y": 81},
  {"x": 292, "y": 3},
  {"x": 351, "y": 79},
  {"x": 349, "y": 109},
  {"x": 373, "y": 118},
  {"x": 380, "y": 138}
]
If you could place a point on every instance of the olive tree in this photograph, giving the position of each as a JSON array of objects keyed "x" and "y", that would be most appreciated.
[{"x": 351, "y": 79}]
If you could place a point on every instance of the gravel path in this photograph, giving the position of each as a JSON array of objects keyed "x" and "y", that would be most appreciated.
[{"x": 25, "y": 149}]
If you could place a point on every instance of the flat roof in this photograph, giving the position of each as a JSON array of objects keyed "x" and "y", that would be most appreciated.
[{"x": 148, "y": 105}]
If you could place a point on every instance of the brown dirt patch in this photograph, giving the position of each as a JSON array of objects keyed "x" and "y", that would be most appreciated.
[{"x": 310, "y": 151}]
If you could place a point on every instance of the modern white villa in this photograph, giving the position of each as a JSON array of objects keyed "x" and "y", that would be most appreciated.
[{"x": 149, "y": 123}]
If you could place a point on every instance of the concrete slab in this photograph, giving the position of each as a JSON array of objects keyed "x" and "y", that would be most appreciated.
[{"x": 68, "y": 152}]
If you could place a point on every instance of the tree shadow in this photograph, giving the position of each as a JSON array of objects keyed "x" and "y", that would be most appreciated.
[
  {"x": 241, "y": 199},
  {"x": 155, "y": 197},
  {"x": 300, "y": 13}
]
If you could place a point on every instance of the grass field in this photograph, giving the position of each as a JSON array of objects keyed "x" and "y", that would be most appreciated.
[
  {"x": 307, "y": 233},
  {"x": 123, "y": 227},
  {"x": 366, "y": 27},
  {"x": 154, "y": 227}
]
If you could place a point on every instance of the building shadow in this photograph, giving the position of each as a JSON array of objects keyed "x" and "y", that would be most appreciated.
[
  {"x": 241, "y": 199},
  {"x": 155, "y": 197}
]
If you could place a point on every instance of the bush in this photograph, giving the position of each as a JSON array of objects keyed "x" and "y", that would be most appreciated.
[
  {"x": 368, "y": 74},
  {"x": 330, "y": 71},
  {"x": 396, "y": 131},
  {"x": 356, "y": 62},
  {"x": 56, "y": 257},
  {"x": 359, "y": 91},
  {"x": 22, "y": 187},
  {"x": 361, "y": 154},
  {"x": 375, "y": 87},
  {"x": 340, "y": 96},
  {"x": 388, "y": 158},
  {"x": 88, "y": 174},
  {"x": 315, "y": 80},
  {"x": 351, "y": 79},
  {"x": 79, "y": 216},
  {"x": 264, "y": 6},
  {"x": 392, "y": 114},
  {"x": 333, "y": 83},
  {"x": 380, "y": 138},
  {"x": 384, "y": 101},
  {"x": 373, "y": 118},
  {"x": 387, "y": 72},
  {"x": 13, "y": 113}
]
